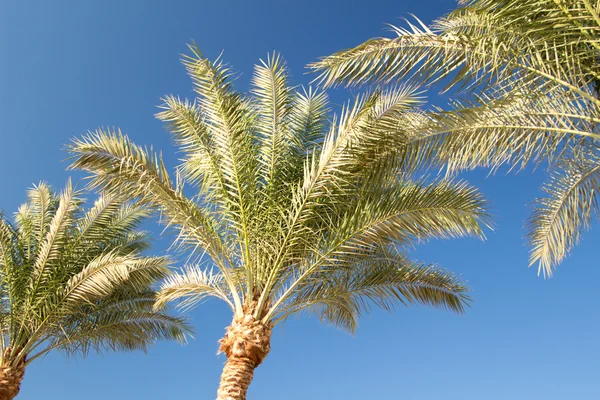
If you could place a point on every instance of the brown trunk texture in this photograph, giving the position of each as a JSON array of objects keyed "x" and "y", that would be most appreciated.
[
  {"x": 10, "y": 379},
  {"x": 246, "y": 344},
  {"x": 235, "y": 379}
]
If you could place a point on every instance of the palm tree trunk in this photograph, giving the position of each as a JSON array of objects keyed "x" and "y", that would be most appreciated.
[
  {"x": 246, "y": 344},
  {"x": 10, "y": 380},
  {"x": 235, "y": 379}
]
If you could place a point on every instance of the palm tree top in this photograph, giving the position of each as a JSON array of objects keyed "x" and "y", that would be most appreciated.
[
  {"x": 296, "y": 210},
  {"x": 76, "y": 280}
]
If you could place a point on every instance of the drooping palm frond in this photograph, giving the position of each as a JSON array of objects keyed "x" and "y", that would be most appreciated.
[
  {"x": 287, "y": 192},
  {"x": 379, "y": 217},
  {"x": 123, "y": 325},
  {"x": 340, "y": 295},
  {"x": 515, "y": 130},
  {"x": 558, "y": 220},
  {"x": 530, "y": 71},
  {"x": 62, "y": 269}
]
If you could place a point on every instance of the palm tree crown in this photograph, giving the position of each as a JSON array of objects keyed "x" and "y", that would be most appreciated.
[
  {"x": 75, "y": 280},
  {"x": 530, "y": 70},
  {"x": 296, "y": 212}
]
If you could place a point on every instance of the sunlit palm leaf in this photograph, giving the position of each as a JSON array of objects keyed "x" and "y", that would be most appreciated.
[
  {"x": 559, "y": 219},
  {"x": 382, "y": 280}
]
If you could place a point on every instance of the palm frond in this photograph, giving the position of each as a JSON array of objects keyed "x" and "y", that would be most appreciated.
[
  {"x": 383, "y": 60},
  {"x": 111, "y": 218},
  {"x": 120, "y": 165},
  {"x": 475, "y": 47},
  {"x": 41, "y": 207},
  {"x": 514, "y": 131},
  {"x": 119, "y": 330},
  {"x": 104, "y": 275},
  {"x": 558, "y": 220},
  {"x": 193, "y": 285},
  {"x": 272, "y": 99},
  {"x": 192, "y": 134},
  {"x": 341, "y": 295},
  {"x": 56, "y": 237},
  {"x": 230, "y": 119},
  {"x": 308, "y": 120}
]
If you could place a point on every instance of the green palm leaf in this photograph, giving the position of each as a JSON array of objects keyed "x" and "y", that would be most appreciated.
[
  {"x": 342, "y": 295},
  {"x": 558, "y": 220}
]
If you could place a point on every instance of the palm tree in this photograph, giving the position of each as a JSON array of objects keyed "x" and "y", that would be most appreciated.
[
  {"x": 296, "y": 212},
  {"x": 529, "y": 74},
  {"x": 75, "y": 280}
]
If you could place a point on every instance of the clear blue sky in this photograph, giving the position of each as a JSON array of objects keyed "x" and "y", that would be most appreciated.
[{"x": 70, "y": 66}]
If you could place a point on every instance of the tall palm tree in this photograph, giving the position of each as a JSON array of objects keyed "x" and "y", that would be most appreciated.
[
  {"x": 295, "y": 212},
  {"x": 75, "y": 280},
  {"x": 529, "y": 73}
]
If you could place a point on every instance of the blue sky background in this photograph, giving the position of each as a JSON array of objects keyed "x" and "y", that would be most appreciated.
[{"x": 70, "y": 66}]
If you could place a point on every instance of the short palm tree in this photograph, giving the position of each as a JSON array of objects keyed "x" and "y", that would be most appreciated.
[
  {"x": 530, "y": 69},
  {"x": 296, "y": 212},
  {"x": 75, "y": 281}
]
